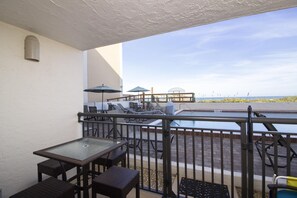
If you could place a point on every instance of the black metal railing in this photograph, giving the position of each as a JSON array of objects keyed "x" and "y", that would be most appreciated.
[
  {"x": 179, "y": 161},
  {"x": 207, "y": 155},
  {"x": 273, "y": 152}
]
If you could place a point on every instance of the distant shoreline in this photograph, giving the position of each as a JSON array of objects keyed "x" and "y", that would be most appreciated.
[
  {"x": 258, "y": 99},
  {"x": 240, "y": 97}
]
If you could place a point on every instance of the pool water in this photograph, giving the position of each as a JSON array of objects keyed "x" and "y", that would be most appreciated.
[{"x": 232, "y": 125}]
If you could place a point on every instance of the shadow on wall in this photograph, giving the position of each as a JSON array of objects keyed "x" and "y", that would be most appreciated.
[{"x": 101, "y": 71}]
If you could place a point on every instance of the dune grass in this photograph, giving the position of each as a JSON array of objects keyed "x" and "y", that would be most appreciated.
[{"x": 259, "y": 100}]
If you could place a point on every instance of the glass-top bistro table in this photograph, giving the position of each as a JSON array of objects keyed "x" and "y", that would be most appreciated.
[{"x": 81, "y": 152}]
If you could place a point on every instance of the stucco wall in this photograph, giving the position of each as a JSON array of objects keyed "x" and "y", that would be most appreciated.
[
  {"x": 105, "y": 67},
  {"x": 38, "y": 104}
]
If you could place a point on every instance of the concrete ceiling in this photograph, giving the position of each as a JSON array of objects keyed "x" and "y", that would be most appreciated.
[{"x": 87, "y": 24}]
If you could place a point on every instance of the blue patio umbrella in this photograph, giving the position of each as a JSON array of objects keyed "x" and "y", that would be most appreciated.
[
  {"x": 139, "y": 89},
  {"x": 102, "y": 89}
]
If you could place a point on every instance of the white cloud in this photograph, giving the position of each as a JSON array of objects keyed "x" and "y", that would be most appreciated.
[
  {"x": 269, "y": 74},
  {"x": 260, "y": 27},
  {"x": 208, "y": 66}
]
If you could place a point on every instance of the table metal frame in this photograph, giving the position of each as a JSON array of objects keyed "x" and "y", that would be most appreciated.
[{"x": 84, "y": 163}]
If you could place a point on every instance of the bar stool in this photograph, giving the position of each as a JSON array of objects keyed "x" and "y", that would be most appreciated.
[
  {"x": 49, "y": 188},
  {"x": 111, "y": 159},
  {"x": 116, "y": 182},
  {"x": 53, "y": 168}
]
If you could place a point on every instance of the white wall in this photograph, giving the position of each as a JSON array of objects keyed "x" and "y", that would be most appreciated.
[{"x": 39, "y": 102}]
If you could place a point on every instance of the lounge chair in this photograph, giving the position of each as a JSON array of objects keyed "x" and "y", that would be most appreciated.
[
  {"x": 86, "y": 110},
  {"x": 118, "y": 109},
  {"x": 110, "y": 106},
  {"x": 92, "y": 109},
  {"x": 144, "y": 135},
  {"x": 158, "y": 106},
  {"x": 125, "y": 110},
  {"x": 131, "y": 111},
  {"x": 269, "y": 146},
  {"x": 135, "y": 106}
]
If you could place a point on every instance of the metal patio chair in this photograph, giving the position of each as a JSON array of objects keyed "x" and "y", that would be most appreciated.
[
  {"x": 269, "y": 145},
  {"x": 135, "y": 139},
  {"x": 283, "y": 190}
]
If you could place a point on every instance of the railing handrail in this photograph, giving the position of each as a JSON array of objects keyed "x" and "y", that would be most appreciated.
[
  {"x": 196, "y": 118},
  {"x": 173, "y": 128},
  {"x": 167, "y": 117},
  {"x": 275, "y": 120}
]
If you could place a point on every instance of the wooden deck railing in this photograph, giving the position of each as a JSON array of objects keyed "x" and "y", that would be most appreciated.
[{"x": 160, "y": 97}]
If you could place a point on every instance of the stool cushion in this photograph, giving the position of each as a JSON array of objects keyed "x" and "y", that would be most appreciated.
[
  {"x": 116, "y": 181},
  {"x": 53, "y": 167},
  {"x": 49, "y": 188}
]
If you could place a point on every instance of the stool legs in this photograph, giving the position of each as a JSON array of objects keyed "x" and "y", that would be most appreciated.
[
  {"x": 109, "y": 160},
  {"x": 39, "y": 176},
  {"x": 123, "y": 164},
  {"x": 78, "y": 172},
  {"x": 137, "y": 189},
  {"x": 93, "y": 193}
]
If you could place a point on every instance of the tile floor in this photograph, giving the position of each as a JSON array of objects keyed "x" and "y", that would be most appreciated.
[{"x": 143, "y": 194}]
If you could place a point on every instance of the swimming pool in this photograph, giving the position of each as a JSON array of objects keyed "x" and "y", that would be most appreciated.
[{"x": 231, "y": 125}]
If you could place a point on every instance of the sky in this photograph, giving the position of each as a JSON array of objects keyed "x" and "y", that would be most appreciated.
[{"x": 248, "y": 56}]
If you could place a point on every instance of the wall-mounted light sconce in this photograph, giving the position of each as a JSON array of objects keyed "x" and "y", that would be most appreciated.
[{"x": 31, "y": 48}]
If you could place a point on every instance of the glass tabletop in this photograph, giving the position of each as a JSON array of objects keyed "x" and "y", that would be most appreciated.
[{"x": 81, "y": 150}]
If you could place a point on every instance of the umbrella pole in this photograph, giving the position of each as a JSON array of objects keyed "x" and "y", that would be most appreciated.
[
  {"x": 102, "y": 102},
  {"x": 143, "y": 105}
]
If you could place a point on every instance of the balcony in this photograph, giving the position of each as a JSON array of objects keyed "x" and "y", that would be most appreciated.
[{"x": 216, "y": 162}]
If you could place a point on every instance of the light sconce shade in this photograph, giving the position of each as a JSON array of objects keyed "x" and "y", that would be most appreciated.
[{"x": 31, "y": 48}]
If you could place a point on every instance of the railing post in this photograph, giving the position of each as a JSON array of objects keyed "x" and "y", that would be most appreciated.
[
  {"x": 243, "y": 160},
  {"x": 83, "y": 129},
  {"x": 167, "y": 183},
  {"x": 114, "y": 125},
  {"x": 250, "y": 154}
]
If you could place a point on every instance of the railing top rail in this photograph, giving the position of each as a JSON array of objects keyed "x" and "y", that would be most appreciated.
[
  {"x": 167, "y": 117},
  {"x": 242, "y": 111},
  {"x": 275, "y": 120},
  {"x": 274, "y": 133},
  {"x": 150, "y": 126}
]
